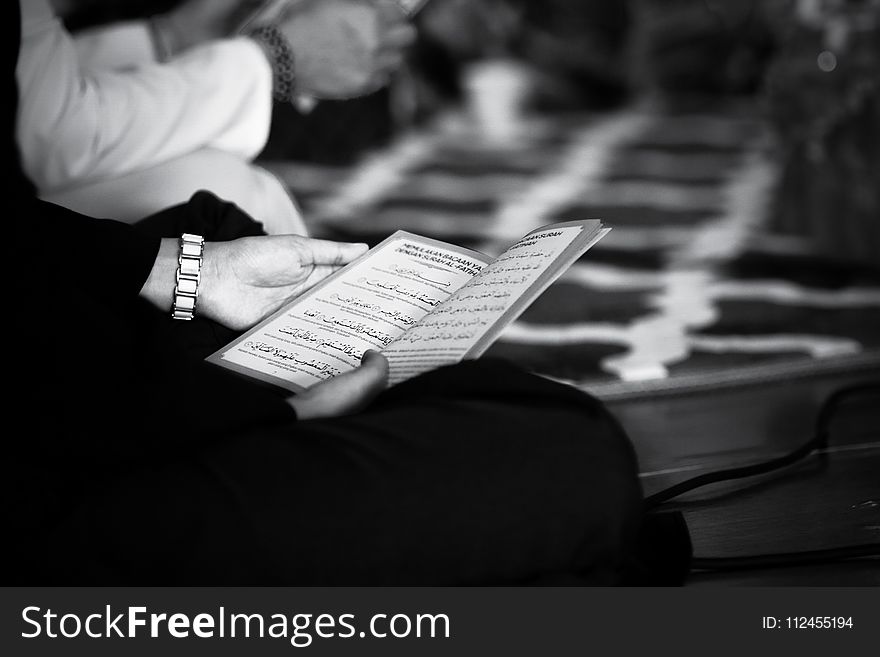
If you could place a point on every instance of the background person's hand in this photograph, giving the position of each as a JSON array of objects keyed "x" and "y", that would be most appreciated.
[
  {"x": 344, "y": 394},
  {"x": 345, "y": 48},
  {"x": 245, "y": 280}
]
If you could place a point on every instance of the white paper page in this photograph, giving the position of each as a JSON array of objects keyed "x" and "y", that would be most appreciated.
[
  {"x": 467, "y": 323},
  {"x": 366, "y": 306}
]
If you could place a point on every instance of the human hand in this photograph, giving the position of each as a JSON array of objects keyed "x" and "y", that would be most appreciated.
[
  {"x": 344, "y": 394},
  {"x": 245, "y": 280},
  {"x": 345, "y": 48}
]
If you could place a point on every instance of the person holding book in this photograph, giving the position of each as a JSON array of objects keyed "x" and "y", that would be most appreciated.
[
  {"x": 132, "y": 460},
  {"x": 127, "y": 120}
]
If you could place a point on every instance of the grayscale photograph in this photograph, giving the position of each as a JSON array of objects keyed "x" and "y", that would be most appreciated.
[{"x": 441, "y": 293}]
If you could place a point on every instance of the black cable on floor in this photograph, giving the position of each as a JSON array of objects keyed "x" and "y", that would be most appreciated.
[
  {"x": 733, "y": 473},
  {"x": 819, "y": 442},
  {"x": 787, "y": 559}
]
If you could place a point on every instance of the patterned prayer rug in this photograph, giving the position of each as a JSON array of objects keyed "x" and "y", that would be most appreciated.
[{"x": 690, "y": 291}]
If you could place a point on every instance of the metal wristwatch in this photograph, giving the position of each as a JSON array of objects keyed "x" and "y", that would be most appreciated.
[{"x": 188, "y": 277}]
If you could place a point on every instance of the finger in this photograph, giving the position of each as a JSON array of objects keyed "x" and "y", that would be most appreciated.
[
  {"x": 390, "y": 13},
  {"x": 318, "y": 274},
  {"x": 377, "y": 364},
  {"x": 326, "y": 252},
  {"x": 399, "y": 37},
  {"x": 386, "y": 64},
  {"x": 356, "y": 389},
  {"x": 345, "y": 394},
  {"x": 380, "y": 79}
]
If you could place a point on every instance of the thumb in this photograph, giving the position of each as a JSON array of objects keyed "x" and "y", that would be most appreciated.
[
  {"x": 326, "y": 252},
  {"x": 344, "y": 394}
]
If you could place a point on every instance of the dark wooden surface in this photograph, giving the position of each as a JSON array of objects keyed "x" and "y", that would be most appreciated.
[{"x": 822, "y": 502}]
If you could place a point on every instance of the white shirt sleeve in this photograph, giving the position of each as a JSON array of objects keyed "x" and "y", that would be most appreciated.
[{"x": 77, "y": 125}]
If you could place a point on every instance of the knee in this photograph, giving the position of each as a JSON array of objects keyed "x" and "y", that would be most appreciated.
[
  {"x": 588, "y": 475},
  {"x": 583, "y": 441}
]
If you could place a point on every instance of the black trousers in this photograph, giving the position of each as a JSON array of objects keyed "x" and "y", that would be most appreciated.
[{"x": 477, "y": 473}]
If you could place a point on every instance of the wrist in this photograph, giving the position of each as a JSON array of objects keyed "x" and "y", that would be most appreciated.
[
  {"x": 159, "y": 286},
  {"x": 209, "y": 288},
  {"x": 188, "y": 277},
  {"x": 279, "y": 53}
]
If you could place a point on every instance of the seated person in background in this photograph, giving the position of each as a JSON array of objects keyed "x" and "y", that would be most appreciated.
[
  {"x": 108, "y": 129},
  {"x": 575, "y": 51},
  {"x": 579, "y": 49},
  {"x": 131, "y": 460},
  {"x": 697, "y": 48}
]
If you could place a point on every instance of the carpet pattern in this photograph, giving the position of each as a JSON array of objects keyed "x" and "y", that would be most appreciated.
[{"x": 690, "y": 290}]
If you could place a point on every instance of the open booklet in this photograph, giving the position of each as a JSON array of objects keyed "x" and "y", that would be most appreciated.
[{"x": 421, "y": 302}]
